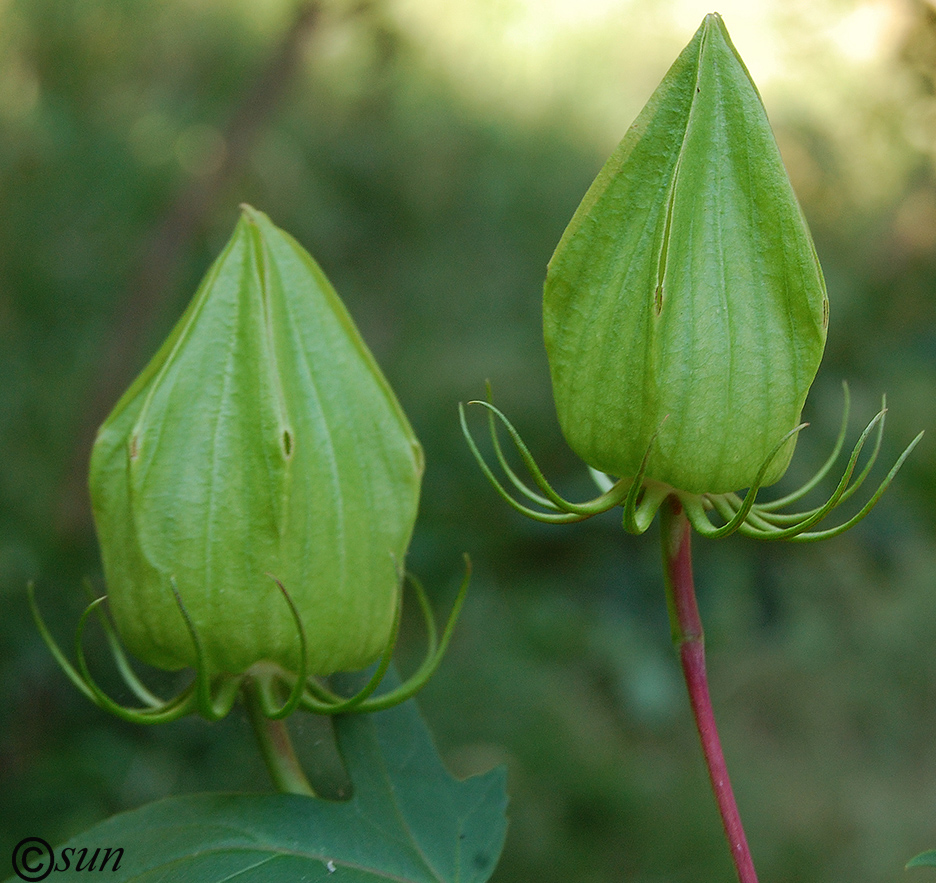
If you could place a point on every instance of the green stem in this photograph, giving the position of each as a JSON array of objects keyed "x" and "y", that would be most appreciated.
[
  {"x": 689, "y": 641},
  {"x": 275, "y": 745}
]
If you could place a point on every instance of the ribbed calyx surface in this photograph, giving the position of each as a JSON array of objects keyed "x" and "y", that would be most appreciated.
[{"x": 261, "y": 441}]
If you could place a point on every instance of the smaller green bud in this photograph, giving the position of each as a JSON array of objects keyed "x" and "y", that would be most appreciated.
[
  {"x": 261, "y": 441},
  {"x": 684, "y": 309}
]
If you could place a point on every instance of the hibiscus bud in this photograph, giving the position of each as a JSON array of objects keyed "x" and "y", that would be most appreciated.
[
  {"x": 685, "y": 312},
  {"x": 261, "y": 441}
]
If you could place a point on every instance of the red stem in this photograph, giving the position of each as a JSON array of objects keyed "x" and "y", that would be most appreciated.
[{"x": 689, "y": 640}]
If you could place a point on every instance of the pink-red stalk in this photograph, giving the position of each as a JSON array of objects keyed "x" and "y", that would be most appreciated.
[{"x": 689, "y": 641}]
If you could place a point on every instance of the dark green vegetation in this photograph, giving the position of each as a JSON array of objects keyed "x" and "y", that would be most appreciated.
[
  {"x": 380, "y": 834},
  {"x": 434, "y": 222}
]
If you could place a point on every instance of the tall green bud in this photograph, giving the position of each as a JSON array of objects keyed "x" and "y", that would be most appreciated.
[{"x": 684, "y": 309}]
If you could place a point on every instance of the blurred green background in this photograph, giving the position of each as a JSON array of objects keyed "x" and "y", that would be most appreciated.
[{"x": 429, "y": 154}]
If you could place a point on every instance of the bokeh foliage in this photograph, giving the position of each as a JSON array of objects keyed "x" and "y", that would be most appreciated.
[{"x": 129, "y": 132}]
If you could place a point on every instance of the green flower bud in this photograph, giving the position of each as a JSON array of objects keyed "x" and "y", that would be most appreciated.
[
  {"x": 685, "y": 315},
  {"x": 261, "y": 441},
  {"x": 684, "y": 308}
]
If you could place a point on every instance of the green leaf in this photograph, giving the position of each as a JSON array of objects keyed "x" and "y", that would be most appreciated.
[
  {"x": 408, "y": 821},
  {"x": 684, "y": 310},
  {"x": 923, "y": 860}
]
